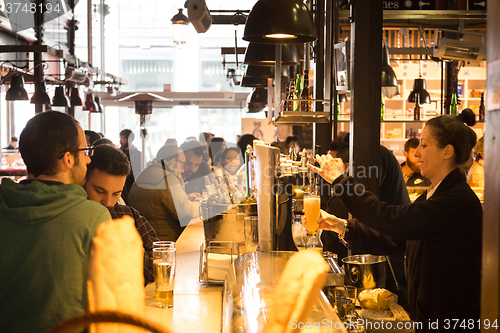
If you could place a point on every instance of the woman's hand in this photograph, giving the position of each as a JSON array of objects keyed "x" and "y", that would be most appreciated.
[
  {"x": 330, "y": 168},
  {"x": 331, "y": 222}
]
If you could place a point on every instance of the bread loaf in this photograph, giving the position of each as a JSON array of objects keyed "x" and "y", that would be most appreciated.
[
  {"x": 376, "y": 299},
  {"x": 116, "y": 280},
  {"x": 300, "y": 283}
]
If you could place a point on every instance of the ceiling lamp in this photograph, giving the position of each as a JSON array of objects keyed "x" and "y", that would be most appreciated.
[
  {"x": 60, "y": 98},
  {"x": 253, "y": 82},
  {"x": 264, "y": 72},
  {"x": 279, "y": 22},
  {"x": 257, "y": 100},
  {"x": 180, "y": 27},
  {"x": 74, "y": 97},
  {"x": 419, "y": 88},
  {"x": 16, "y": 91},
  {"x": 342, "y": 98},
  {"x": 263, "y": 55},
  {"x": 90, "y": 104},
  {"x": 40, "y": 96},
  {"x": 97, "y": 101},
  {"x": 388, "y": 76}
]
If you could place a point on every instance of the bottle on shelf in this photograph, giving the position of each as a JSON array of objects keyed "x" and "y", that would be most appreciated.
[
  {"x": 416, "y": 108},
  {"x": 315, "y": 243},
  {"x": 290, "y": 95},
  {"x": 298, "y": 93},
  {"x": 306, "y": 94},
  {"x": 481, "y": 108},
  {"x": 298, "y": 233},
  {"x": 382, "y": 108},
  {"x": 338, "y": 107},
  {"x": 453, "y": 105}
]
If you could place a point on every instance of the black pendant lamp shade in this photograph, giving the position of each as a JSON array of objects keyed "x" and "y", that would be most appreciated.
[
  {"x": 279, "y": 22},
  {"x": 257, "y": 100},
  {"x": 40, "y": 96},
  {"x": 342, "y": 98},
  {"x": 60, "y": 98},
  {"x": 253, "y": 82},
  {"x": 16, "y": 91},
  {"x": 419, "y": 88},
  {"x": 74, "y": 97},
  {"x": 264, "y": 71},
  {"x": 264, "y": 55},
  {"x": 180, "y": 18},
  {"x": 97, "y": 101},
  {"x": 90, "y": 105},
  {"x": 388, "y": 76}
]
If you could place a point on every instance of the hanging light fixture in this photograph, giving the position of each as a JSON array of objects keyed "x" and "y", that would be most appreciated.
[
  {"x": 264, "y": 72},
  {"x": 342, "y": 98},
  {"x": 279, "y": 22},
  {"x": 263, "y": 55},
  {"x": 180, "y": 27},
  {"x": 257, "y": 100},
  {"x": 40, "y": 96},
  {"x": 253, "y": 82},
  {"x": 97, "y": 101},
  {"x": 388, "y": 76},
  {"x": 16, "y": 91},
  {"x": 419, "y": 88},
  {"x": 74, "y": 97},
  {"x": 89, "y": 103},
  {"x": 60, "y": 99}
]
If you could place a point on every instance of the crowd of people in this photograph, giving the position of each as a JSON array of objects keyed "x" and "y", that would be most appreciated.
[{"x": 77, "y": 179}]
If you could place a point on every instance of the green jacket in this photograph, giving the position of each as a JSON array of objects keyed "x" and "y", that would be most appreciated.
[{"x": 45, "y": 237}]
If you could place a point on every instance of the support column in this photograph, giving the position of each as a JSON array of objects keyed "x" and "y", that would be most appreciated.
[
  {"x": 366, "y": 67},
  {"x": 490, "y": 291}
]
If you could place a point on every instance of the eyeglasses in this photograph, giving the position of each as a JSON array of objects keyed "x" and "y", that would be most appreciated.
[
  {"x": 181, "y": 162},
  {"x": 89, "y": 151}
]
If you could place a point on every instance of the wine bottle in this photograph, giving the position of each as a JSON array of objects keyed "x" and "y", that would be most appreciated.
[
  {"x": 481, "y": 108},
  {"x": 453, "y": 105},
  {"x": 416, "y": 108},
  {"x": 306, "y": 96},
  {"x": 290, "y": 95},
  {"x": 298, "y": 93},
  {"x": 382, "y": 108}
]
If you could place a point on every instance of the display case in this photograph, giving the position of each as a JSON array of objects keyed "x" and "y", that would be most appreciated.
[{"x": 249, "y": 290}]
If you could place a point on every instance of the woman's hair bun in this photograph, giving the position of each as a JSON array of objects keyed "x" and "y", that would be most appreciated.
[{"x": 467, "y": 116}]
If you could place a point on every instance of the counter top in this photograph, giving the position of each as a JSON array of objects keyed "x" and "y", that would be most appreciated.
[{"x": 197, "y": 308}]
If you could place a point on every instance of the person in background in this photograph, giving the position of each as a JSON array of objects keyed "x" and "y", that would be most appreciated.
[
  {"x": 134, "y": 156},
  {"x": 230, "y": 161},
  {"x": 159, "y": 194},
  {"x": 475, "y": 177},
  {"x": 106, "y": 176},
  {"x": 411, "y": 168},
  {"x": 46, "y": 228},
  {"x": 13, "y": 144},
  {"x": 172, "y": 141},
  {"x": 441, "y": 230},
  {"x": 244, "y": 141},
  {"x": 217, "y": 145},
  {"x": 91, "y": 137},
  {"x": 104, "y": 141},
  {"x": 205, "y": 139},
  {"x": 195, "y": 168},
  {"x": 295, "y": 141}
]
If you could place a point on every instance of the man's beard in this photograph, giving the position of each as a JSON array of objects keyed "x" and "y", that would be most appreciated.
[{"x": 415, "y": 167}]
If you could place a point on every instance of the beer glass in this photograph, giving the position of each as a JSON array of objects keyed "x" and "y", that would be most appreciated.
[
  {"x": 312, "y": 206},
  {"x": 251, "y": 227},
  {"x": 163, "y": 244},
  {"x": 164, "y": 274}
]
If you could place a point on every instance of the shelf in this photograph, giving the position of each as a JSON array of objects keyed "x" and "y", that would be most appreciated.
[{"x": 302, "y": 117}]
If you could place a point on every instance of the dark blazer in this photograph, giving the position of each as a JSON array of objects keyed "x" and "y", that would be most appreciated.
[{"x": 443, "y": 245}]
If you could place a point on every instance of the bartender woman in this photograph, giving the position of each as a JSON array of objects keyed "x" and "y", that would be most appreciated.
[{"x": 441, "y": 230}]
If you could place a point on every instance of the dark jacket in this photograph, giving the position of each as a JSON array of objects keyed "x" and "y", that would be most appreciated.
[
  {"x": 443, "y": 245},
  {"x": 196, "y": 183}
]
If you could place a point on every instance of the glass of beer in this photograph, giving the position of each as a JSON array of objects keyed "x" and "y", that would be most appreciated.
[
  {"x": 163, "y": 244},
  {"x": 164, "y": 274},
  {"x": 312, "y": 206}
]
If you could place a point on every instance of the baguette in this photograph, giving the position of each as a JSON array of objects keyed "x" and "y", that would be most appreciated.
[
  {"x": 300, "y": 283},
  {"x": 115, "y": 267}
]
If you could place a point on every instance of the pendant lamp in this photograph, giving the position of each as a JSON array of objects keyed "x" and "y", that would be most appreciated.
[
  {"x": 257, "y": 100},
  {"x": 180, "y": 24},
  {"x": 74, "y": 97},
  {"x": 264, "y": 72},
  {"x": 16, "y": 91},
  {"x": 60, "y": 98},
  {"x": 388, "y": 76},
  {"x": 90, "y": 103},
  {"x": 279, "y": 22},
  {"x": 97, "y": 101},
  {"x": 253, "y": 82},
  {"x": 264, "y": 55},
  {"x": 40, "y": 96},
  {"x": 419, "y": 88},
  {"x": 342, "y": 98}
]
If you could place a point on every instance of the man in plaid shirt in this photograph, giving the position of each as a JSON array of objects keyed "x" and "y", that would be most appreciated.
[{"x": 106, "y": 175}]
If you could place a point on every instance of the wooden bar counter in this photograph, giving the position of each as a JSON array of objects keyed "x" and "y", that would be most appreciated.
[{"x": 197, "y": 308}]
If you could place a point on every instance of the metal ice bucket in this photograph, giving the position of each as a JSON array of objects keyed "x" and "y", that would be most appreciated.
[
  {"x": 225, "y": 222},
  {"x": 365, "y": 271}
]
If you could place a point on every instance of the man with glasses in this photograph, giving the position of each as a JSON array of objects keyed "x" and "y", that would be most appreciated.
[
  {"x": 46, "y": 227},
  {"x": 159, "y": 194},
  {"x": 195, "y": 168}
]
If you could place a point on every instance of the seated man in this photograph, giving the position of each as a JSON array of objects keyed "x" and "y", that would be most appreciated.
[
  {"x": 106, "y": 175},
  {"x": 411, "y": 168},
  {"x": 158, "y": 193},
  {"x": 195, "y": 168},
  {"x": 46, "y": 228}
]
